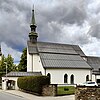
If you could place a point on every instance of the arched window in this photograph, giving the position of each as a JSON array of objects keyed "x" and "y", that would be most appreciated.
[
  {"x": 87, "y": 78},
  {"x": 72, "y": 79},
  {"x": 65, "y": 78},
  {"x": 49, "y": 75}
]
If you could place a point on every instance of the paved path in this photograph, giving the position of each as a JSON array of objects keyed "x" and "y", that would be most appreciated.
[
  {"x": 33, "y": 97},
  {"x": 8, "y": 96}
]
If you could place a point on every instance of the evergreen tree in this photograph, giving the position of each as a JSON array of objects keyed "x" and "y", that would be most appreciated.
[
  {"x": 23, "y": 62},
  {"x": 10, "y": 63},
  {"x": 2, "y": 66}
]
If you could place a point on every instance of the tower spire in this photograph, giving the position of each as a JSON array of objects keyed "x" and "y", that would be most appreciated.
[
  {"x": 33, "y": 35},
  {"x": 33, "y": 17}
]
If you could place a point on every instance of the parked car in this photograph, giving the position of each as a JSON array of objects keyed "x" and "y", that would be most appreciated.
[{"x": 89, "y": 83}]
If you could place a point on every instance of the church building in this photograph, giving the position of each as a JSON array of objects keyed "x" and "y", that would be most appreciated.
[{"x": 63, "y": 63}]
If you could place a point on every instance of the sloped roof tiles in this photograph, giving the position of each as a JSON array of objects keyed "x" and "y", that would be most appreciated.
[
  {"x": 18, "y": 74},
  {"x": 94, "y": 62},
  {"x": 55, "y": 55}
]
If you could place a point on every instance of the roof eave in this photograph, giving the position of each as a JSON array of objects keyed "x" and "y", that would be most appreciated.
[{"x": 65, "y": 68}]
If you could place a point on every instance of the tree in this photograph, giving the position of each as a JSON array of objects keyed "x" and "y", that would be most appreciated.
[
  {"x": 2, "y": 66},
  {"x": 23, "y": 62},
  {"x": 10, "y": 65}
]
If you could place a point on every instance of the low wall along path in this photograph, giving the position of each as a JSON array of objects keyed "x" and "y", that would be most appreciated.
[{"x": 87, "y": 93}]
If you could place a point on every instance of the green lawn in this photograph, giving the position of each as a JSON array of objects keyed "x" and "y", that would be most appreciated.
[{"x": 65, "y": 90}]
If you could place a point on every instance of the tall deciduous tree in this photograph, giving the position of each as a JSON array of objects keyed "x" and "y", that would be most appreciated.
[{"x": 23, "y": 62}]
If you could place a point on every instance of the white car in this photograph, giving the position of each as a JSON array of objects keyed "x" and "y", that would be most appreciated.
[{"x": 89, "y": 83}]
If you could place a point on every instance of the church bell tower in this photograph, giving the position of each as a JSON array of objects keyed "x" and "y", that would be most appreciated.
[{"x": 33, "y": 35}]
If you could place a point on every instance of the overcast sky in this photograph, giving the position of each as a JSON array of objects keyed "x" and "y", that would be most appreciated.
[{"x": 62, "y": 21}]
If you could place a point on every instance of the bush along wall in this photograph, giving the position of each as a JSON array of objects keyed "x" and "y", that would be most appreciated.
[{"x": 33, "y": 83}]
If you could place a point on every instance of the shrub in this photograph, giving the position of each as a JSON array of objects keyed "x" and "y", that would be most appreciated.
[
  {"x": 65, "y": 90},
  {"x": 33, "y": 83}
]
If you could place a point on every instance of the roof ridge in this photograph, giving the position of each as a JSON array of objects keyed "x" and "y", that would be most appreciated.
[{"x": 57, "y": 43}]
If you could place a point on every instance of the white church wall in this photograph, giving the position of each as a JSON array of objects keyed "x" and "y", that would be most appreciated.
[
  {"x": 37, "y": 65},
  {"x": 34, "y": 63},
  {"x": 57, "y": 75},
  {"x": 29, "y": 62}
]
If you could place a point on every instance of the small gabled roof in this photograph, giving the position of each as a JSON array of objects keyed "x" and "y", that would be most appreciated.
[{"x": 19, "y": 74}]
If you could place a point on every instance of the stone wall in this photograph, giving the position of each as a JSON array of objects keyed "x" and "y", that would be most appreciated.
[
  {"x": 49, "y": 90},
  {"x": 87, "y": 93}
]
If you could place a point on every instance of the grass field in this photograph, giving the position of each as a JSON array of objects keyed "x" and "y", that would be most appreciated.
[{"x": 65, "y": 90}]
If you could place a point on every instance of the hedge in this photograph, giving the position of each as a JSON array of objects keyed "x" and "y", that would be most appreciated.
[{"x": 33, "y": 83}]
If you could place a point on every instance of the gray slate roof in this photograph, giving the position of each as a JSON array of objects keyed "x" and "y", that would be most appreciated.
[
  {"x": 54, "y": 55},
  {"x": 94, "y": 62},
  {"x": 19, "y": 74},
  {"x": 62, "y": 61},
  {"x": 78, "y": 50},
  {"x": 46, "y": 47},
  {"x": 32, "y": 48}
]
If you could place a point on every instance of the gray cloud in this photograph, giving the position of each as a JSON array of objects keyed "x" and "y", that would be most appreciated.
[
  {"x": 95, "y": 31},
  {"x": 82, "y": 39},
  {"x": 53, "y": 18},
  {"x": 15, "y": 17},
  {"x": 62, "y": 13},
  {"x": 13, "y": 23}
]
